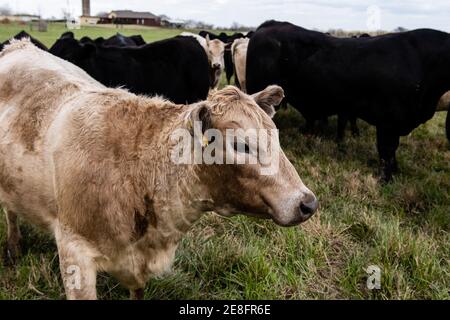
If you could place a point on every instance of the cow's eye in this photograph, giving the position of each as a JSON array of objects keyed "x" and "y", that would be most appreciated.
[{"x": 241, "y": 147}]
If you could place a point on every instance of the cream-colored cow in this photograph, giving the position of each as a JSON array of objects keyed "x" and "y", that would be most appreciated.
[
  {"x": 444, "y": 102},
  {"x": 94, "y": 167},
  {"x": 239, "y": 55},
  {"x": 215, "y": 50}
]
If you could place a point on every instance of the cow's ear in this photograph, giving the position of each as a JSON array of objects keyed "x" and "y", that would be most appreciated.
[
  {"x": 269, "y": 98},
  {"x": 67, "y": 35},
  {"x": 199, "y": 117}
]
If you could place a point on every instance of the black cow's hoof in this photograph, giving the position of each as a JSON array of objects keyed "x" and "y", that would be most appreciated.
[
  {"x": 385, "y": 176},
  {"x": 385, "y": 179}
]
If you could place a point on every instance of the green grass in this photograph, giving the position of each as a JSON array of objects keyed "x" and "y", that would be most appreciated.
[
  {"x": 56, "y": 29},
  {"x": 402, "y": 227}
]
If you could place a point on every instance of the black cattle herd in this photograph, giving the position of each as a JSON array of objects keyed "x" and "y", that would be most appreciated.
[{"x": 392, "y": 81}]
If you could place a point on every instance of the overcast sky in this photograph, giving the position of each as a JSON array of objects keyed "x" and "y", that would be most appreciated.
[{"x": 318, "y": 14}]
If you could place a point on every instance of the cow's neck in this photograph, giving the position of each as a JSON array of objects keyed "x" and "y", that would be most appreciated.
[{"x": 176, "y": 200}]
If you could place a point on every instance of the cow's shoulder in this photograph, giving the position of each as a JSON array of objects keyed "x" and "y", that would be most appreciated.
[{"x": 36, "y": 84}]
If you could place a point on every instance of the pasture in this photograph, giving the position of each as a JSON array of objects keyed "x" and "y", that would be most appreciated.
[{"x": 402, "y": 227}]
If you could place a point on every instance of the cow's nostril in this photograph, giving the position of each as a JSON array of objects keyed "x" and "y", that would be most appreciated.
[{"x": 308, "y": 208}]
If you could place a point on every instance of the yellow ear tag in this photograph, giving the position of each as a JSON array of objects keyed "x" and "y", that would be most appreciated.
[
  {"x": 189, "y": 124},
  {"x": 205, "y": 141}
]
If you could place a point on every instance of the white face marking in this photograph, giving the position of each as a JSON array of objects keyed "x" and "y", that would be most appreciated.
[{"x": 216, "y": 49}]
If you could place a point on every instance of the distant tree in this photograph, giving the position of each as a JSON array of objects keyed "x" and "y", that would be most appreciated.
[
  {"x": 203, "y": 25},
  {"x": 400, "y": 29},
  {"x": 102, "y": 14},
  {"x": 5, "y": 11},
  {"x": 66, "y": 14},
  {"x": 235, "y": 26}
]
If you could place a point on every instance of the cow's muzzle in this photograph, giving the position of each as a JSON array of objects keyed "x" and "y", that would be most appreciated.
[{"x": 308, "y": 207}]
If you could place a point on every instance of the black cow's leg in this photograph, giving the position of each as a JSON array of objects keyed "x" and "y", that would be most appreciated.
[
  {"x": 354, "y": 126},
  {"x": 387, "y": 143},
  {"x": 342, "y": 123},
  {"x": 228, "y": 78},
  {"x": 323, "y": 123},
  {"x": 310, "y": 124}
]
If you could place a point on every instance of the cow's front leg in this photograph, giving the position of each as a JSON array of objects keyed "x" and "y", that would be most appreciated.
[
  {"x": 310, "y": 126},
  {"x": 341, "y": 125},
  {"x": 387, "y": 143},
  {"x": 12, "y": 248},
  {"x": 323, "y": 124},
  {"x": 78, "y": 270}
]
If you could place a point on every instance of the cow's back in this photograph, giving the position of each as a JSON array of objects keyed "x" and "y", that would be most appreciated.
[
  {"x": 391, "y": 78},
  {"x": 33, "y": 87},
  {"x": 176, "y": 68}
]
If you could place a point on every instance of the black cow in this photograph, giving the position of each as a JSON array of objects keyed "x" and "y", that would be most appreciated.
[
  {"x": 176, "y": 68},
  {"x": 67, "y": 35},
  {"x": 212, "y": 36},
  {"x": 99, "y": 41},
  {"x": 228, "y": 59},
  {"x": 362, "y": 35},
  {"x": 22, "y": 34},
  {"x": 391, "y": 81},
  {"x": 119, "y": 40},
  {"x": 138, "y": 40},
  {"x": 223, "y": 37},
  {"x": 86, "y": 39},
  {"x": 249, "y": 34}
]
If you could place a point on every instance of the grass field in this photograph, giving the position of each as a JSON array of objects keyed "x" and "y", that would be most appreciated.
[
  {"x": 402, "y": 227},
  {"x": 56, "y": 29}
]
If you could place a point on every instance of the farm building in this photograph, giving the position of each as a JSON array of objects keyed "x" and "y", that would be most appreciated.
[
  {"x": 19, "y": 17},
  {"x": 86, "y": 18},
  {"x": 131, "y": 17}
]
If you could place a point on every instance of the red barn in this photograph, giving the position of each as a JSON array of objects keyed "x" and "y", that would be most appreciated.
[{"x": 131, "y": 17}]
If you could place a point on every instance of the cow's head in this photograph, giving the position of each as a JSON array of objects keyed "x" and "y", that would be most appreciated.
[
  {"x": 251, "y": 188},
  {"x": 216, "y": 49},
  {"x": 70, "y": 49}
]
